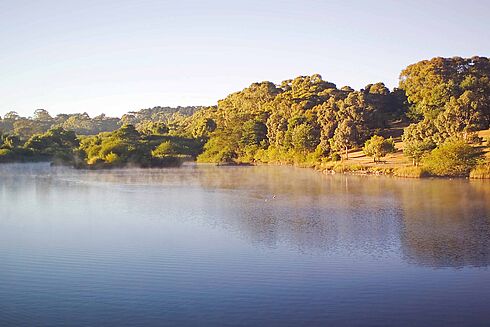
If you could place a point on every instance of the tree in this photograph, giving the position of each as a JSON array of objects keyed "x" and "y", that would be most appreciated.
[
  {"x": 42, "y": 115},
  {"x": 11, "y": 115},
  {"x": 461, "y": 115},
  {"x": 165, "y": 149},
  {"x": 128, "y": 133},
  {"x": 152, "y": 128},
  {"x": 417, "y": 150},
  {"x": 345, "y": 136},
  {"x": 254, "y": 132},
  {"x": 304, "y": 138},
  {"x": 441, "y": 84},
  {"x": 203, "y": 128},
  {"x": 378, "y": 147},
  {"x": 56, "y": 144}
]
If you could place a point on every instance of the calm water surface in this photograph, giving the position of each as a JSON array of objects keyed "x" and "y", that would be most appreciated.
[{"x": 244, "y": 246}]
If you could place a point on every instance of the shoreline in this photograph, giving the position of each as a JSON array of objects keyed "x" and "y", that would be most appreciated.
[{"x": 330, "y": 169}]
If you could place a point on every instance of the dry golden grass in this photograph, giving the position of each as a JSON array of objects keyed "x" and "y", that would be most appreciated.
[
  {"x": 485, "y": 134},
  {"x": 392, "y": 160},
  {"x": 481, "y": 172},
  {"x": 401, "y": 165},
  {"x": 410, "y": 172}
]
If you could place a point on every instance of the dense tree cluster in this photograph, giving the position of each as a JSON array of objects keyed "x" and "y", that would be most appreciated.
[
  {"x": 124, "y": 146},
  {"x": 449, "y": 98},
  {"x": 128, "y": 146},
  {"x": 42, "y": 121},
  {"x": 302, "y": 117},
  {"x": 83, "y": 124},
  {"x": 302, "y": 120},
  {"x": 57, "y": 145}
]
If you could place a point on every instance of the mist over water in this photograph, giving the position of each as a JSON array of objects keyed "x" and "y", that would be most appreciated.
[{"x": 207, "y": 245}]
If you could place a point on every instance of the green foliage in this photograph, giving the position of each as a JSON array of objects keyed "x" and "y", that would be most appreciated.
[
  {"x": 305, "y": 116},
  {"x": 217, "y": 150},
  {"x": 83, "y": 124},
  {"x": 203, "y": 127},
  {"x": 127, "y": 146},
  {"x": 112, "y": 158},
  {"x": 416, "y": 150},
  {"x": 452, "y": 158},
  {"x": 122, "y": 146},
  {"x": 253, "y": 132},
  {"x": 9, "y": 141},
  {"x": 166, "y": 148},
  {"x": 304, "y": 138},
  {"x": 56, "y": 143},
  {"x": 449, "y": 97},
  {"x": 305, "y": 121},
  {"x": 378, "y": 147},
  {"x": 152, "y": 128}
]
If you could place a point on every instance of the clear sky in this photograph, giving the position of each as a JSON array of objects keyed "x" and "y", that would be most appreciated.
[{"x": 115, "y": 56}]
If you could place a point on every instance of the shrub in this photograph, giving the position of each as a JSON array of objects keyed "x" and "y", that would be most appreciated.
[
  {"x": 112, "y": 158},
  {"x": 4, "y": 152},
  {"x": 453, "y": 158}
]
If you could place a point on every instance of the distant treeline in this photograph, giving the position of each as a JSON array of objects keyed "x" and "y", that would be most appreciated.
[
  {"x": 82, "y": 124},
  {"x": 305, "y": 120}
]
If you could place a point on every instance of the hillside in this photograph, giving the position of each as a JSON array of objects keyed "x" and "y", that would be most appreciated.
[{"x": 397, "y": 159}]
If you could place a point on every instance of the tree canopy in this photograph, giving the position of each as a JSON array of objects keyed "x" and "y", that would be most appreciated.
[{"x": 306, "y": 118}]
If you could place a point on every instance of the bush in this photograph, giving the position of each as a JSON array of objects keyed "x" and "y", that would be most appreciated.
[
  {"x": 5, "y": 152},
  {"x": 112, "y": 158},
  {"x": 453, "y": 158}
]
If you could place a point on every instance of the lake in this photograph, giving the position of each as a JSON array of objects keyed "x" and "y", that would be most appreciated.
[{"x": 203, "y": 245}]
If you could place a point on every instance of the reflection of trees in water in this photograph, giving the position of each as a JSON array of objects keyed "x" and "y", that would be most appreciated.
[
  {"x": 435, "y": 222},
  {"x": 304, "y": 209},
  {"x": 446, "y": 223}
]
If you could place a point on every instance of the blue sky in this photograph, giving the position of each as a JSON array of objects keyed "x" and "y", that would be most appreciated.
[{"x": 116, "y": 56}]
